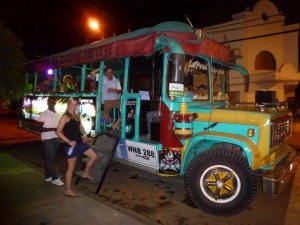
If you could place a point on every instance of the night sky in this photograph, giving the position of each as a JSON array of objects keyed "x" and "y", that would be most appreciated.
[{"x": 48, "y": 27}]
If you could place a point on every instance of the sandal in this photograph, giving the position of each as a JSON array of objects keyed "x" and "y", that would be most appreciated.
[
  {"x": 89, "y": 179},
  {"x": 71, "y": 193}
]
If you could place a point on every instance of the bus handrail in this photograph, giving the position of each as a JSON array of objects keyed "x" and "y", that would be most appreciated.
[{"x": 124, "y": 98}]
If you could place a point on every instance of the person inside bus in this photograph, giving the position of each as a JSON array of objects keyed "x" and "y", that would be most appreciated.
[
  {"x": 202, "y": 92},
  {"x": 67, "y": 84},
  {"x": 72, "y": 132},
  {"x": 197, "y": 93},
  {"x": 111, "y": 86},
  {"x": 202, "y": 89},
  {"x": 46, "y": 85},
  {"x": 111, "y": 90},
  {"x": 95, "y": 73}
]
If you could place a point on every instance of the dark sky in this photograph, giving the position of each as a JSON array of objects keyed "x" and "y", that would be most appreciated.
[{"x": 50, "y": 26}]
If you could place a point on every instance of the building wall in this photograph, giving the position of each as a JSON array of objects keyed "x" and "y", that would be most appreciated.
[{"x": 256, "y": 30}]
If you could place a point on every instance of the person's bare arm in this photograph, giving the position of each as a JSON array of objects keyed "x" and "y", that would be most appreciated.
[
  {"x": 118, "y": 91},
  {"x": 95, "y": 71},
  {"x": 40, "y": 128}
]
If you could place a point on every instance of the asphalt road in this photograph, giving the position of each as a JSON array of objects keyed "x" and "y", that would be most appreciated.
[{"x": 151, "y": 198}]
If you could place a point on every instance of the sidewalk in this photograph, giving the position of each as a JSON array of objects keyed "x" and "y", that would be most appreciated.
[{"x": 26, "y": 199}]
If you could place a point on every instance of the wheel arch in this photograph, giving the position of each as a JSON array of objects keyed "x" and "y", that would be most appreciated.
[{"x": 204, "y": 141}]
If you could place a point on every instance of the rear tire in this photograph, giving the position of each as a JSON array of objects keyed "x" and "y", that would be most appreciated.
[{"x": 220, "y": 182}]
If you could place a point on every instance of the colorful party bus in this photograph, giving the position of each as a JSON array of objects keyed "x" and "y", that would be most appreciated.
[{"x": 177, "y": 112}]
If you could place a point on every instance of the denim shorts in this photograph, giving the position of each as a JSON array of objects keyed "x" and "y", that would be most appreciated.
[{"x": 79, "y": 149}]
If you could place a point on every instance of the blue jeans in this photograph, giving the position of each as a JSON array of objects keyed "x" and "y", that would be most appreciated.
[{"x": 50, "y": 149}]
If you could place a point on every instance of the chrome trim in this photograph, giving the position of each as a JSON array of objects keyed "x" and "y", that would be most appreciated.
[{"x": 275, "y": 180}]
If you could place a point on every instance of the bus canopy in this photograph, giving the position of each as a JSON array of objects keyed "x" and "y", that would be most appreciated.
[{"x": 136, "y": 43}]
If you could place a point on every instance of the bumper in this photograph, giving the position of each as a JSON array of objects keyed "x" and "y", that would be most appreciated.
[{"x": 276, "y": 180}]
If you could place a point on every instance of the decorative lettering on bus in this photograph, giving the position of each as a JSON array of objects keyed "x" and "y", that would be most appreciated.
[
  {"x": 68, "y": 59},
  {"x": 91, "y": 55},
  {"x": 197, "y": 68},
  {"x": 97, "y": 53}
]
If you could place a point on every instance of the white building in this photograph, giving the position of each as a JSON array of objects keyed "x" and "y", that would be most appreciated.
[{"x": 269, "y": 50}]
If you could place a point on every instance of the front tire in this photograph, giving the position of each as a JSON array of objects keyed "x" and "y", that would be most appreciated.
[{"x": 220, "y": 182}]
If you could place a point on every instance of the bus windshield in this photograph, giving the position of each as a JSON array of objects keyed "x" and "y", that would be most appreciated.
[{"x": 201, "y": 80}]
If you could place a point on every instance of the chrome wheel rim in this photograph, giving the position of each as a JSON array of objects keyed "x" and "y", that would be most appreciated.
[{"x": 220, "y": 184}]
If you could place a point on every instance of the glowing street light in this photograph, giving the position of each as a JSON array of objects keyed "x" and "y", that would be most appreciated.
[{"x": 94, "y": 25}]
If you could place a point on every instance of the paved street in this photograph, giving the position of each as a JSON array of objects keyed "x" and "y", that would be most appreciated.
[{"x": 148, "y": 198}]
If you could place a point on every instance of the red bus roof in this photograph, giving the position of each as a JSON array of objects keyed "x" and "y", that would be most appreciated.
[{"x": 139, "y": 42}]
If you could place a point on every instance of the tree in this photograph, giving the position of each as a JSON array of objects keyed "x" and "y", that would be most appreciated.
[{"x": 12, "y": 59}]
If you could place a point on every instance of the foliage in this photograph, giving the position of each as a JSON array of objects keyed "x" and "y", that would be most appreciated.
[{"x": 12, "y": 58}]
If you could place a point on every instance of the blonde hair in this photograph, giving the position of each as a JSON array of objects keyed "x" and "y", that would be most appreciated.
[
  {"x": 68, "y": 79},
  {"x": 76, "y": 116}
]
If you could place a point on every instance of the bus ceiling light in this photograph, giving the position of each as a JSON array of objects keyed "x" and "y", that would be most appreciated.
[{"x": 50, "y": 71}]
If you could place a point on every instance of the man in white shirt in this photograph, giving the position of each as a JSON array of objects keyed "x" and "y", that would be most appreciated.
[
  {"x": 47, "y": 124},
  {"x": 111, "y": 88},
  {"x": 111, "y": 91}
]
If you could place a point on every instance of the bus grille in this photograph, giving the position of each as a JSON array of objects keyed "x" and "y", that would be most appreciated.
[{"x": 281, "y": 129}]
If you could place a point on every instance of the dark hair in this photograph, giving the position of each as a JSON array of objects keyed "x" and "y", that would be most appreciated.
[
  {"x": 107, "y": 68},
  {"x": 51, "y": 98}
]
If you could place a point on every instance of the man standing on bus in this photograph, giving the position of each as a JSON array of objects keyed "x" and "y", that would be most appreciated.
[
  {"x": 111, "y": 90},
  {"x": 111, "y": 87}
]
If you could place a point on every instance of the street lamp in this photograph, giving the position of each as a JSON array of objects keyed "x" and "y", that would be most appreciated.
[{"x": 94, "y": 25}]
